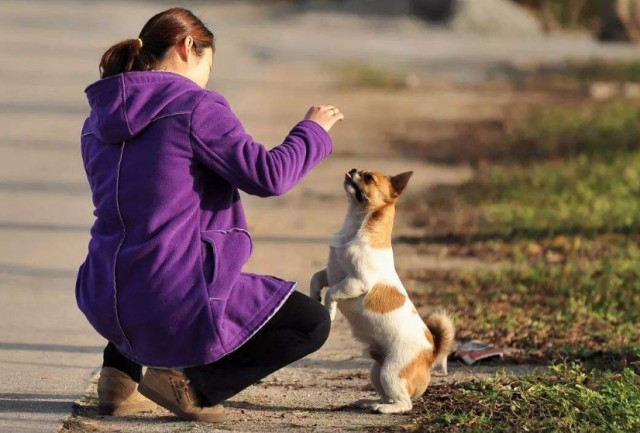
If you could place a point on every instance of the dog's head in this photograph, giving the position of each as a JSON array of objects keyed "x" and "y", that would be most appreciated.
[{"x": 373, "y": 190}]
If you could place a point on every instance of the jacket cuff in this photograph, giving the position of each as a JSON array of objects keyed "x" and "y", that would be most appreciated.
[{"x": 319, "y": 134}]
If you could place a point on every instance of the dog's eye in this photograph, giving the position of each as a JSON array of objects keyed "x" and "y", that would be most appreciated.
[{"x": 368, "y": 178}]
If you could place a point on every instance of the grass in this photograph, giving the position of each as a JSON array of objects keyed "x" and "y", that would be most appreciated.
[
  {"x": 549, "y": 133},
  {"x": 571, "y": 298},
  {"x": 371, "y": 77},
  {"x": 567, "y": 232},
  {"x": 73, "y": 424},
  {"x": 580, "y": 196},
  {"x": 542, "y": 134},
  {"x": 566, "y": 13},
  {"x": 555, "y": 203},
  {"x": 562, "y": 398},
  {"x": 605, "y": 71},
  {"x": 558, "y": 226}
]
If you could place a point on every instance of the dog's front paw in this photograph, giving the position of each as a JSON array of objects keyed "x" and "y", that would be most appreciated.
[
  {"x": 316, "y": 294},
  {"x": 333, "y": 309},
  {"x": 331, "y": 305}
]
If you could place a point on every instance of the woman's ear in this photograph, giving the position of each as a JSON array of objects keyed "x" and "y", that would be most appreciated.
[
  {"x": 184, "y": 48},
  {"x": 399, "y": 182}
]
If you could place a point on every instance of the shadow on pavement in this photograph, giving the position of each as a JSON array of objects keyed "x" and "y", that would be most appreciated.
[
  {"x": 50, "y": 347},
  {"x": 36, "y": 403},
  {"x": 30, "y": 271}
]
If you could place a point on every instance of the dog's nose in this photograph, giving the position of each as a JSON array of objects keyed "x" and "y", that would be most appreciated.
[{"x": 353, "y": 171}]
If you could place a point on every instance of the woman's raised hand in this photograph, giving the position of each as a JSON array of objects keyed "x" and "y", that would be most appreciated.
[{"x": 324, "y": 115}]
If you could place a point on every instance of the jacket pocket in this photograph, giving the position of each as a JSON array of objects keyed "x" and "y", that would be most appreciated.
[{"x": 225, "y": 252}]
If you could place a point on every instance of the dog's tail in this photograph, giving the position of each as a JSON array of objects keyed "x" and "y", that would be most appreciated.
[{"x": 440, "y": 323}]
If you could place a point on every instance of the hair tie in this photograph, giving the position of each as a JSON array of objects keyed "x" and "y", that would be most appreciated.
[{"x": 140, "y": 40}]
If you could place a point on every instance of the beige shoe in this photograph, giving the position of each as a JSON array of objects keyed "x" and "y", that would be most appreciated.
[
  {"x": 172, "y": 390},
  {"x": 117, "y": 394}
]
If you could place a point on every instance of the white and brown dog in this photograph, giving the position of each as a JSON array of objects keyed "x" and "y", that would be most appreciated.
[{"x": 363, "y": 283}]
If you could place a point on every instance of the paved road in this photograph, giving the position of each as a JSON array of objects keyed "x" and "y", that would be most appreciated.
[
  {"x": 48, "y": 352},
  {"x": 50, "y": 52}
]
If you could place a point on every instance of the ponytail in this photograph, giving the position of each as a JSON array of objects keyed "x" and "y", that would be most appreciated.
[
  {"x": 160, "y": 33},
  {"x": 124, "y": 56}
]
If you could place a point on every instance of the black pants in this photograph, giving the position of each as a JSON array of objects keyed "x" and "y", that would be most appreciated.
[{"x": 299, "y": 328}]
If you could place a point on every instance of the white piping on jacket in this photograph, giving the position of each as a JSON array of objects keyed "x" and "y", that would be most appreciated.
[{"x": 115, "y": 256}]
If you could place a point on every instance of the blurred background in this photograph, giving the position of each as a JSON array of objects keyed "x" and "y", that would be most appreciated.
[{"x": 520, "y": 119}]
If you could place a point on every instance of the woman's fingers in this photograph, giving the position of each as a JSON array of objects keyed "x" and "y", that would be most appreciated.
[
  {"x": 334, "y": 118},
  {"x": 325, "y": 115}
]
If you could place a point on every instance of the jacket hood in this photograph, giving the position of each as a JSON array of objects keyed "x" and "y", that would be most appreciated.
[{"x": 125, "y": 104}]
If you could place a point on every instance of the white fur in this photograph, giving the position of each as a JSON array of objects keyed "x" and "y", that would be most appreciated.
[{"x": 353, "y": 270}]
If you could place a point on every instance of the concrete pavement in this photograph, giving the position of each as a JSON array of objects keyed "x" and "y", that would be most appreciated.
[{"x": 48, "y": 352}]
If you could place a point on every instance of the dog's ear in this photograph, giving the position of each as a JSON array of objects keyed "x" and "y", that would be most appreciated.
[{"x": 399, "y": 183}]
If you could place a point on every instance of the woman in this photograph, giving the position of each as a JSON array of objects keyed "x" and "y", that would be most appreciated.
[{"x": 162, "y": 280}]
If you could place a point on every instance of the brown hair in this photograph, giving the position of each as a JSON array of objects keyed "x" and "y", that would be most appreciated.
[{"x": 160, "y": 33}]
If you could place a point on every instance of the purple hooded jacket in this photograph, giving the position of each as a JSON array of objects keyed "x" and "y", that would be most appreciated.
[{"x": 164, "y": 158}]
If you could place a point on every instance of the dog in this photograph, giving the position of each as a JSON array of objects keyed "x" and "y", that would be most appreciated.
[{"x": 364, "y": 285}]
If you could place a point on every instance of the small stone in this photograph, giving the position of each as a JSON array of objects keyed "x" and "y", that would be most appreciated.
[
  {"x": 495, "y": 17},
  {"x": 553, "y": 257},
  {"x": 631, "y": 90},
  {"x": 412, "y": 81},
  {"x": 603, "y": 90}
]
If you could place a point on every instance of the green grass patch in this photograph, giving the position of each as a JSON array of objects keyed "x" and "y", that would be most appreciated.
[
  {"x": 568, "y": 230},
  {"x": 549, "y": 133},
  {"x": 371, "y": 77},
  {"x": 542, "y": 134},
  {"x": 580, "y": 196},
  {"x": 598, "y": 70},
  {"x": 562, "y": 398},
  {"x": 574, "y": 298}
]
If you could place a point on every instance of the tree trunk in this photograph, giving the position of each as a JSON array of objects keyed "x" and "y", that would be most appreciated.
[
  {"x": 434, "y": 10},
  {"x": 620, "y": 21}
]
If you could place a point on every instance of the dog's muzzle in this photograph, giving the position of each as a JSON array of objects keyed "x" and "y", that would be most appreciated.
[{"x": 350, "y": 178}]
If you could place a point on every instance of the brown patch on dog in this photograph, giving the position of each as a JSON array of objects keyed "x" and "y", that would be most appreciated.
[
  {"x": 384, "y": 298},
  {"x": 417, "y": 373},
  {"x": 379, "y": 226},
  {"x": 377, "y": 188},
  {"x": 429, "y": 336}
]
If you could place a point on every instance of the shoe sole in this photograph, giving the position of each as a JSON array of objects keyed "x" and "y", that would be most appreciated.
[
  {"x": 160, "y": 400},
  {"x": 129, "y": 409}
]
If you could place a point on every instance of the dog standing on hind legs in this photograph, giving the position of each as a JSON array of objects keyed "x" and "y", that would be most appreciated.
[{"x": 364, "y": 285}]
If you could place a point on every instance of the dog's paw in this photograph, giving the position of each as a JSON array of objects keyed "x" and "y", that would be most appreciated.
[
  {"x": 331, "y": 305},
  {"x": 316, "y": 294},
  {"x": 333, "y": 310},
  {"x": 390, "y": 408}
]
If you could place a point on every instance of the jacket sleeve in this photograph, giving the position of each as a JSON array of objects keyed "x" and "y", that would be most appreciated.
[{"x": 220, "y": 143}]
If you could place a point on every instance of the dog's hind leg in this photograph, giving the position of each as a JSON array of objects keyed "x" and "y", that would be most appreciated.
[
  {"x": 395, "y": 390},
  {"x": 374, "y": 375}
]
